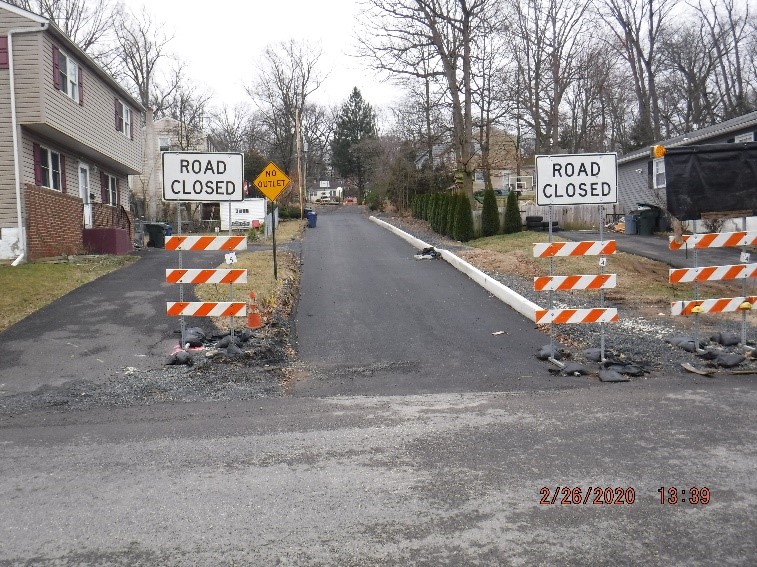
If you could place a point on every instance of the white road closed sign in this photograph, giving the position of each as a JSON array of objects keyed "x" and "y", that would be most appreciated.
[
  {"x": 207, "y": 177},
  {"x": 577, "y": 179}
]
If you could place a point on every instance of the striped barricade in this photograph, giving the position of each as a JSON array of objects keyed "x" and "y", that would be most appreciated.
[
  {"x": 206, "y": 276},
  {"x": 200, "y": 243},
  {"x": 566, "y": 283},
  {"x": 713, "y": 273},
  {"x": 568, "y": 316},
  {"x": 722, "y": 305},
  {"x": 207, "y": 308},
  {"x": 584, "y": 248},
  {"x": 714, "y": 240}
]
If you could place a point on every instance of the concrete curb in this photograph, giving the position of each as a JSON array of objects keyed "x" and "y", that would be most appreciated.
[{"x": 500, "y": 291}]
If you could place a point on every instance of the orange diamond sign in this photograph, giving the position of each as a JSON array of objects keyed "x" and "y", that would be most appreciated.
[{"x": 272, "y": 181}]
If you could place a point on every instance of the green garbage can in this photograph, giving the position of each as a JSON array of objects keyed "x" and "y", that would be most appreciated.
[{"x": 647, "y": 220}]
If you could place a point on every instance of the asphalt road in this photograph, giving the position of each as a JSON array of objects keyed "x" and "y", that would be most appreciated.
[
  {"x": 411, "y": 438},
  {"x": 374, "y": 320}
]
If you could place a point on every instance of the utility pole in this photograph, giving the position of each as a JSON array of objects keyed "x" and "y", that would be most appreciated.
[{"x": 298, "y": 146}]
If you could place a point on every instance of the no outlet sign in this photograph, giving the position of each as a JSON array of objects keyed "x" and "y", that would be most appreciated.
[
  {"x": 577, "y": 179},
  {"x": 208, "y": 177}
]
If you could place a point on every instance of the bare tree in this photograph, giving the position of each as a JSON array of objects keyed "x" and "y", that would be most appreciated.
[
  {"x": 288, "y": 74},
  {"x": 731, "y": 32},
  {"x": 142, "y": 47},
  {"x": 88, "y": 23},
  {"x": 401, "y": 35},
  {"x": 638, "y": 27},
  {"x": 231, "y": 128},
  {"x": 549, "y": 36}
]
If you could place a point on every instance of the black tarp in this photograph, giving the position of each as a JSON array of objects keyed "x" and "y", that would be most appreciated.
[{"x": 711, "y": 178}]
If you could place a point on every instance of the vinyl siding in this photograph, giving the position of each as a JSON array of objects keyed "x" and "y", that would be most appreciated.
[
  {"x": 91, "y": 124},
  {"x": 8, "y": 216},
  {"x": 9, "y": 21},
  {"x": 72, "y": 171}
]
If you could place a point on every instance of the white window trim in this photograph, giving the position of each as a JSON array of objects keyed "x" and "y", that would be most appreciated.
[
  {"x": 126, "y": 118},
  {"x": 46, "y": 164},
  {"x": 658, "y": 168},
  {"x": 111, "y": 190},
  {"x": 69, "y": 80},
  {"x": 167, "y": 145}
]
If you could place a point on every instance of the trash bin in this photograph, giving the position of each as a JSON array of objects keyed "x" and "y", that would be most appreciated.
[
  {"x": 632, "y": 226},
  {"x": 156, "y": 234},
  {"x": 647, "y": 220},
  {"x": 312, "y": 218}
]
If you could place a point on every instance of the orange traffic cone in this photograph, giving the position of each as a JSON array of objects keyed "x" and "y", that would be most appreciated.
[{"x": 254, "y": 320}]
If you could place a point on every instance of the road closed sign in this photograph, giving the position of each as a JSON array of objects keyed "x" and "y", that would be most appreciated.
[
  {"x": 577, "y": 179},
  {"x": 206, "y": 177}
]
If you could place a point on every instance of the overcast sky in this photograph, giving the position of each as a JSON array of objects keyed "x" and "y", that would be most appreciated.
[{"x": 221, "y": 39}]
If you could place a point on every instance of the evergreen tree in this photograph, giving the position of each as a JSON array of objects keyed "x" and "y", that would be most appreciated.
[
  {"x": 463, "y": 219},
  {"x": 443, "y": 214},
  {"x": 451, "y": 208},
  {"x": 489, "y": 214},
  {"x": 355, "y": 137},
  {"x": 513, "y": 222}
]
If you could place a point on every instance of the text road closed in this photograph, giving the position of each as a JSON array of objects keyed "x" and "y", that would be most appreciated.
[
  {"x": 577, "y": 179},
  {"x": 190, "y": 176}
]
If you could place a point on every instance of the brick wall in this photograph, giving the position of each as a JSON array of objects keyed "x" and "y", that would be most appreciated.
[{"x": 53, "y": 223}]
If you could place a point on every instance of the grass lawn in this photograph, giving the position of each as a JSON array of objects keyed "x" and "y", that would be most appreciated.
[{"x": 28, "y": 287}]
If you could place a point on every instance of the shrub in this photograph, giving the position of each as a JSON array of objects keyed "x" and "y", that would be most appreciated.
[
  {"x": 489, "y": 214},
  {"x": 463, "y": 219},
  {"x": 513, "y": 222},
  {"x": 374, "y": 202}
]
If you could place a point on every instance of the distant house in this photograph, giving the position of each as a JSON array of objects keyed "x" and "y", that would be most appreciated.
[
  {"x": 641, "y": 179},
  {"x": 505, "y": 171},
  {"x": 163, "y": 135},
  {"x": 70, "y": 136}
]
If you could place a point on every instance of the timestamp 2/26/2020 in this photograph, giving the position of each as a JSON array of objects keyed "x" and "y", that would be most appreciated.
[{"x": 621, "y": 495}]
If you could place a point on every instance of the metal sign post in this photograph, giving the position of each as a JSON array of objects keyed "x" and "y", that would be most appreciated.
[{"x": 182, "y": 323}]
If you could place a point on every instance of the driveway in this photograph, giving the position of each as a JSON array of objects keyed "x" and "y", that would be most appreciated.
[
  {"x": 101, "y": 329},
  {"x": 657, "y": 248}
]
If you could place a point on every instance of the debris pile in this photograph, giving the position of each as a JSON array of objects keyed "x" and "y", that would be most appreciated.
[{"x": 429, "y": 253}]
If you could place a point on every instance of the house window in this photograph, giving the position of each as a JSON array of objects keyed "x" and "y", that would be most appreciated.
[
  {"x": 165, "y": 143},
  {"x": 658, "y": 172},
  {"x": 50, "y": 166},
  {"x": 123, "y": 119},
  {"x": 69, "y": 76},
  {"x": 748, "y": 137},
  {"x": 111, "y": 190}
]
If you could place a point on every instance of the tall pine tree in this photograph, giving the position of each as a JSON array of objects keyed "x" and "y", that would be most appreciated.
[{"x": 355, "y": 137}]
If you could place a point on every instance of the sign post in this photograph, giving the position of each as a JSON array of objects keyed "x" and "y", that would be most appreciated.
[{"x": 272, "y": 182}]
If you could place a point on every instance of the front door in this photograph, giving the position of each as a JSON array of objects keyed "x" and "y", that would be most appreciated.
[{"x": 84, "y": 194}]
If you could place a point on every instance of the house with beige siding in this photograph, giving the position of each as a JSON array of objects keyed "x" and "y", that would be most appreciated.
[{"x": 70, "y": 136}]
